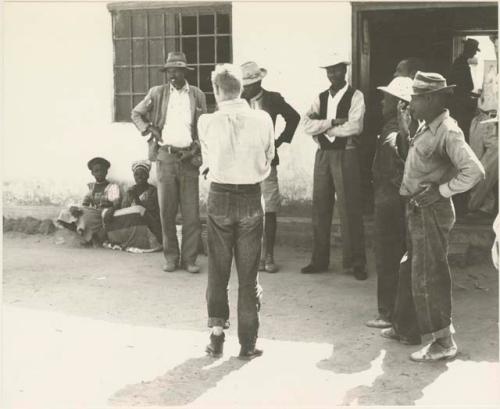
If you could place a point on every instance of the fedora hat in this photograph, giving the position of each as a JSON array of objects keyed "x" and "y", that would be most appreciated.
[
  {"x": 400, "y": 87},
  {"x": 252, "y": 73},
  {"x": 176, "y": 59},
  {"x": 334, "y": 58},
  {"x": 472, "y": 43},
  {"x": 430, "y": 82}
]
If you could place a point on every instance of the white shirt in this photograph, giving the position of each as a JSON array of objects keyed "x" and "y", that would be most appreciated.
[
  {"x": 353, "y": 126},
  {"x": 237, "y": 143},
  {"x": 177, "y": 129}
]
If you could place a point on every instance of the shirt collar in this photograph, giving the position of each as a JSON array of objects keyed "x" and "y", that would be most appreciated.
[
  {"x": 436, "y": 122},
  {"x": 258, "y": 96},
  {"x": 340, "y": 91},
  {"x": 232, "y": 104},
  {"x": 185, "y": 88}
]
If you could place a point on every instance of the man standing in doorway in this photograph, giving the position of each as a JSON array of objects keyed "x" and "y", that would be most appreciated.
[
  {"x": 464, "y": 102},
  {"x": 274, "y": 104},
  {"x": 439, "y": 164},
  {"x": 168, "y": 115},
  {"x": 335, "y": 120},
  {"x": 238, "y": 147}
]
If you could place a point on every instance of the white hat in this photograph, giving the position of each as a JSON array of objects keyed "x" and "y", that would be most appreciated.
[
  {"x": 490, "y": 121},
  {"x": 334, "y": 59},
  {"x": 400, "y": 87},
  {"x": 252, "y": 72}
]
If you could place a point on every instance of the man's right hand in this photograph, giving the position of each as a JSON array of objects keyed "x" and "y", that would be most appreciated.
[{"x": 155, "y": 133}]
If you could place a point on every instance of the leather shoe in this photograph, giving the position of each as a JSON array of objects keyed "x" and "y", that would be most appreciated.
[
  {"x": 249, "y": 353},
  {"x": 360, "y": 273},
  {"x": 312, "y": 269},
  {"x": 390, "y": 333},
  {"x": 434, "y": 352},
  {"x": 378, "y": 323},
  {"x": 170, "y": 266},
  {"x": 216, "y": 346},
  {"x": 192, "y": 268},
  {"x": 270, "y": 266}
]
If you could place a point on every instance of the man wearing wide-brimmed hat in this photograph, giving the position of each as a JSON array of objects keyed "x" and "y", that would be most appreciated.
[
  {"x": 274, "y": 104},
  {"x": 387, "y": 171},
  {"x": 335, "y": 121},
  {"x": 439, "y": 164},
  {"x": 168, "y": 117},
  {"x": 464, "y": 102}
]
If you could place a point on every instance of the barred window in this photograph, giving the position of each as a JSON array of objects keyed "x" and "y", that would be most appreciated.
[{"x": 142, "y": 39}]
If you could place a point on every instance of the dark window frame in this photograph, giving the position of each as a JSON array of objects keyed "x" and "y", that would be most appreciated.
[{"x": 132, "y": 32}]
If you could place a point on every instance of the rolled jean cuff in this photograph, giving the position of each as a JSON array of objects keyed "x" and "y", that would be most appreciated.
[
  {"x": 218, "y": 322},
  {"x": 444, "y": 332}
]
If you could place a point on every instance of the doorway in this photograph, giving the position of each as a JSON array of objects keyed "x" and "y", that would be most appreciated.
[{"x": 386, "y": 33}]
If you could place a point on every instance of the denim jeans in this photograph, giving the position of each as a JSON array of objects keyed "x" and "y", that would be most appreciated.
[
  {"x": 235, "y": 222},
  {"x": 425, "y": 273},
  {"x": 336, "y": 177},
  {"x": 178, "y": 186},
  {"x": 389, "y": 244}
]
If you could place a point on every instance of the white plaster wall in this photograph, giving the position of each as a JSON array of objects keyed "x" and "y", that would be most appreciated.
[
  {"x": 58, "y": 87},
  {"x": 288, "y": 39}
]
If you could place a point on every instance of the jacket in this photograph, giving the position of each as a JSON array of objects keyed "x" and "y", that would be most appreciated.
[
  {"x": 274, "y": 104},
  {"x": 152, "y": 110}
]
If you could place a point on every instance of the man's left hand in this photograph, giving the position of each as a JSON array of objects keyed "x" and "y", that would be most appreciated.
[{"x": 430, "y": 195}]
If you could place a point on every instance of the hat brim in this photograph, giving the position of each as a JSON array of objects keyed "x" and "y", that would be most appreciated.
[
  {"x": 334, "y": 64},
  {"x": 401, "y": 97},
  {"x": 166, "y": 67},
  {"x": 447, "y": 89},
  {"x": 249, "y": 81}
]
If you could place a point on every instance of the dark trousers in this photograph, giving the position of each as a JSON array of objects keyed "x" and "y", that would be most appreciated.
[
  {"x": 336, "y": 178},
  {"x": 427, "y": 266},
  {"x": 235, "y": 223},
  {"x": 389, "y": 245},
  {"x": 178, "y": 186}
]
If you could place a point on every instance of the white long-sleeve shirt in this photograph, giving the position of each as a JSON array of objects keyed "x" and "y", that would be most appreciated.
[
  {"x": 237, "y": 143},
  {"x": 353, "y": 126}
]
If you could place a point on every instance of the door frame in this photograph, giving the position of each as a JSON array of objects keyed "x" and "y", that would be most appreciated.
[{"x": 360, "y": 68}]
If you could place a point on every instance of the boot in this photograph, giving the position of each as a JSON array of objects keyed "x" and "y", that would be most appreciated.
[{"x": 216, "y": 346}]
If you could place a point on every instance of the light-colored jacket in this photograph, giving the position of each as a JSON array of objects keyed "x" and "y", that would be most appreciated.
[{"x": 152, "y": 110}]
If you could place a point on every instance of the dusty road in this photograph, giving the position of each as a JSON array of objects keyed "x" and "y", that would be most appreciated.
[{"x": 92, "y": 328}]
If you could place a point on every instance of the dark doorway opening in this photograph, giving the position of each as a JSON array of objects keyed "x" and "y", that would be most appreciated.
[{"x": 386, "y": 33}]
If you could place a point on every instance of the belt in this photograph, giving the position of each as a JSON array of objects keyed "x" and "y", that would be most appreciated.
[{"x": 173, "y": 149}]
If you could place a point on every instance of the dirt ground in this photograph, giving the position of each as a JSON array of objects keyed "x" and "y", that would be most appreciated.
[{"x": 96, "y": 328}]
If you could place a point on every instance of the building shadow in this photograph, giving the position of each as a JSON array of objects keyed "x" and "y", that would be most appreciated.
[{"x": 181, "y": 385}]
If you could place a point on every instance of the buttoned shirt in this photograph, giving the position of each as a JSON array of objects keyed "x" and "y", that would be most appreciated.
[
  {"x": 438, "y": 154},
  {"x": 177, "y": 130},
  {"x": 237, "y": 143},
  {"x": 353, "y": 126},
  {"x": 256, "y": 101}
]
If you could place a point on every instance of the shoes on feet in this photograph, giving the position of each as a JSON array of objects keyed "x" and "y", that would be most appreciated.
[
  {"x": 192, "y": 268},
  {"x": 216, "y": 346},
  {"x": 434, "y": 352},
  {"x": 270, "y": 266},
  {"x": 390, "y": 333},
  {"x": 360, "y": 273},
  {"x": 378, "y": 323},
  {"x": 262, "y": 265},
  {"x": 170, "y": 266},
  {"x": 312, "y": 269},
  {"x": 249, "y": 353}
]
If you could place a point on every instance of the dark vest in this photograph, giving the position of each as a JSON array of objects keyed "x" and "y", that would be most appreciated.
[{"x": 342, "y": 112}]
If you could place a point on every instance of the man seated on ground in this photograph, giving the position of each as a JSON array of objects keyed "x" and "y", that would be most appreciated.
[
  {"x": 137, "y": 226},
  {"x": 97, "y": 208}
]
